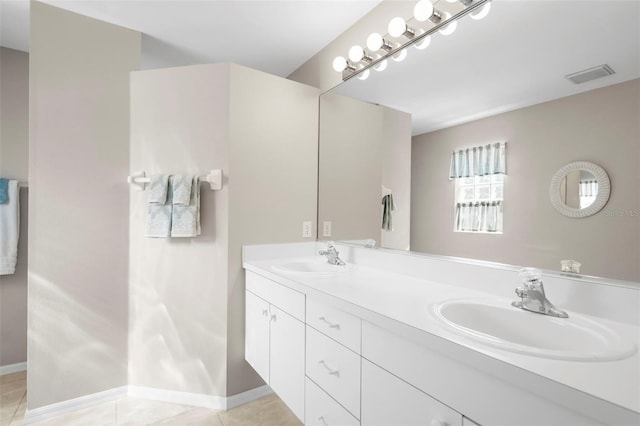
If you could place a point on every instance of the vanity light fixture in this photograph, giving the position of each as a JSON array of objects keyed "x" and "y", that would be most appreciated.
[
  {"x": 449, "y": 28},
  {"x": 482, "y": 13},
  {"x": 380, "y": 48},
  {"x": 398, "y": 28},
  {"x": 424, "y": 43}
]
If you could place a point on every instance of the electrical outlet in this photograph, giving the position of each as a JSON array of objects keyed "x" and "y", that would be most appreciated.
[
  {"x": 326, "y": 228},
  {"x": 306, "y": 229}
]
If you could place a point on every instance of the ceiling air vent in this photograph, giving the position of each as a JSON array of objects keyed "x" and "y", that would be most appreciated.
[{"x": 590, "y": 74}]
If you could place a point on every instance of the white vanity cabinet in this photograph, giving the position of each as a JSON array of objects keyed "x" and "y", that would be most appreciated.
[
  {"x": 275, "y": 338},
  {"x": 337, "y": 364},
  {"x": 387, "y": 400}
]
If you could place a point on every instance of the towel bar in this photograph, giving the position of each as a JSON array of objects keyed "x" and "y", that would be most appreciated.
[{"x": 140, "y": 180}]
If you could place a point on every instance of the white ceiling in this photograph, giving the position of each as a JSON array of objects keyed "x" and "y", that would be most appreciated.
[
  {"x": 515, "y": 57},
  {"x": 275, "y": 36}
]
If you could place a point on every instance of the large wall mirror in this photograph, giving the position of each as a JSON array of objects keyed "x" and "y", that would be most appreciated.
[{"x": 497, "y": 79}]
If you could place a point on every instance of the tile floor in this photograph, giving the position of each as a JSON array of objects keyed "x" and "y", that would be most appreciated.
[{"x": 266, "y": 411}]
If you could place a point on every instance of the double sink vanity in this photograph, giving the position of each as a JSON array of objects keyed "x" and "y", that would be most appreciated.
[{"x": 393, "y": 338}]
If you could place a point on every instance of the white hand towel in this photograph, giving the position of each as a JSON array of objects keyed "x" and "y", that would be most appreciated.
[
  {"x": 10, "y": 229},
  {"x": 160, "y": 206},
  {"x": 185, "y": 220}
]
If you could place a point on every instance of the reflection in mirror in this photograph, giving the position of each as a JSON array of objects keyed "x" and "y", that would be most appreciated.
[
  {"x": 503, "y": 79},
  {"x": 579, "y": 189}
]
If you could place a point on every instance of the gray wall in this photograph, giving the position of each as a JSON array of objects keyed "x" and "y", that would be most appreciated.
[
  {"x": 79, "y": 200},
  {"x": 14, "y": 164},
  {"x": 273, "y": 170},
  {"x": 600, "y": 126},
  {"x": 187, "y": 295},
  {"x": 178, "y": 291}
]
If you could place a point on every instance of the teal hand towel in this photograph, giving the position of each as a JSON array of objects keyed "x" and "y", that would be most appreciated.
[
  {"x": 158, "y": 189},
  {"x": 10, "y": 229},
  {"x": 182, "y": 185},
  {"x": 185, "y": 218},
  {"x": 160, "y": 206},
  {"x": 4, "y": 190}
]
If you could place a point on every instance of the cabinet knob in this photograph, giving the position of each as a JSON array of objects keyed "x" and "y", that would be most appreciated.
[
  {"x": 439, "y": 422},
  {"x": 265, "y": 312},
  {"x": 329, "y": 323},
  {"x": 273, "y": 317},
  {"x": 321, "y": 421}
]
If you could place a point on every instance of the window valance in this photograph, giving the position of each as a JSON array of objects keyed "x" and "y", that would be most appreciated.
[{"x": 481, "y": 160}]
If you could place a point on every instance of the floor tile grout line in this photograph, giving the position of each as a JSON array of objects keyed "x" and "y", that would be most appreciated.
[{"x": 13, "y": 416}]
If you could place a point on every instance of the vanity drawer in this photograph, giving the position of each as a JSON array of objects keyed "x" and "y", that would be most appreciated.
[
  {"x": 290, "y": 301},
  {"x": 339, "y": 325},
  {"x": 322, "y": 410},
  {"x": 335, "y": 369}
]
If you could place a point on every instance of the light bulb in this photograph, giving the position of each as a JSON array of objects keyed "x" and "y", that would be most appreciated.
[
  {"x": 479, "y": 14},
  {"x": 374, "y": 42},
  {"x": 423, "y": 10},
  {"x": 397, "y": 27},
  {"x": 399, "y": 57},
  {"x": 364, "y": 75},
  {"x": 356, "y": 53},
  {"x": 339, "y": 64},
  {"x": 381, "y": 66},
  {"x": 450, "y": 28},
  {"x": 423, "y": 44}
]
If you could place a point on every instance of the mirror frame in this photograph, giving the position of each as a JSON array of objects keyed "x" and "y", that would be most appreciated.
[{"x": 604, "y": 189}]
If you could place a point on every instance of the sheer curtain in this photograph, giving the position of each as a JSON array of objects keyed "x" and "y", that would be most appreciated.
[
  {"x": 481, "y": 160},
  {"x": 483, "y": 216}
]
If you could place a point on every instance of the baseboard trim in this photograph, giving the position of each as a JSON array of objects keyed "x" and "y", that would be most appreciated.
[
  {"x": 13, "y": 368},
  {"x": 174, "y": 397},
  {"x": 198, "y": 399},
  {"x": 247, "y": 396},
  {"x": 64, "y": 407}
]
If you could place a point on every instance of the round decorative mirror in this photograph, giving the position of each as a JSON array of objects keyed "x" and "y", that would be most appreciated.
[{"x": 580, "y": 189}]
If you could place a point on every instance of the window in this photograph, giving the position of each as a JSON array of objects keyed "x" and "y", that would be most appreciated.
[
  {"x": 479, "y": 188},
  {"x": 479, "y": 204}
]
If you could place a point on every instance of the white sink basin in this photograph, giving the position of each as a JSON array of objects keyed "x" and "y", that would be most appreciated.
[
  {"x": 501, "y": 325},
  {"x": 318, "y": 266}
]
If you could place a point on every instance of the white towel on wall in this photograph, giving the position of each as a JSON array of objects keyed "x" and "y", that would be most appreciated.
[
  {"x": 10, "y": 229},
  {"x": 185, "y": 218},
  {"x": 160, "y": 206}
]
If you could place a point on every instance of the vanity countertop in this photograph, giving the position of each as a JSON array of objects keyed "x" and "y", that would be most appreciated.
[{"x": 404, "y": 303}]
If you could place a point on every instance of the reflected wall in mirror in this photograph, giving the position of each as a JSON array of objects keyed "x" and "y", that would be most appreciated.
[
  {"x": 363, "y": 157},
  {"x": 579, "y": 189},
  {"x": 478, "y": 86}
]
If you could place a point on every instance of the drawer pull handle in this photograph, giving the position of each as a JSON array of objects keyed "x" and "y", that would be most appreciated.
[
  {"x": 329, "y": 323},
  {"x": 273, "y": 317},
  {"x": 321, "y": 421},
  {"x": 331, "y": 371},
  {"x": 265, "y": 312}
]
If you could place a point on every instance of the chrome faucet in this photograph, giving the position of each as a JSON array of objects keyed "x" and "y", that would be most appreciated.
[
  {"x": 332, "y": 255},
  {"x": 532, "y": 295}
]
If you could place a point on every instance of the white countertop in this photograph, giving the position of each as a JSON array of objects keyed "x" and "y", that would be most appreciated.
[{"x": 395, "y": 301}]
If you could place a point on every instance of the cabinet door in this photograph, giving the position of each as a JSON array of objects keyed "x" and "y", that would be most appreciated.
[
  {"x": 256, "y": 343},
  {"x": 287, "y": 360},
  {"x": 387, "y": 400}
]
